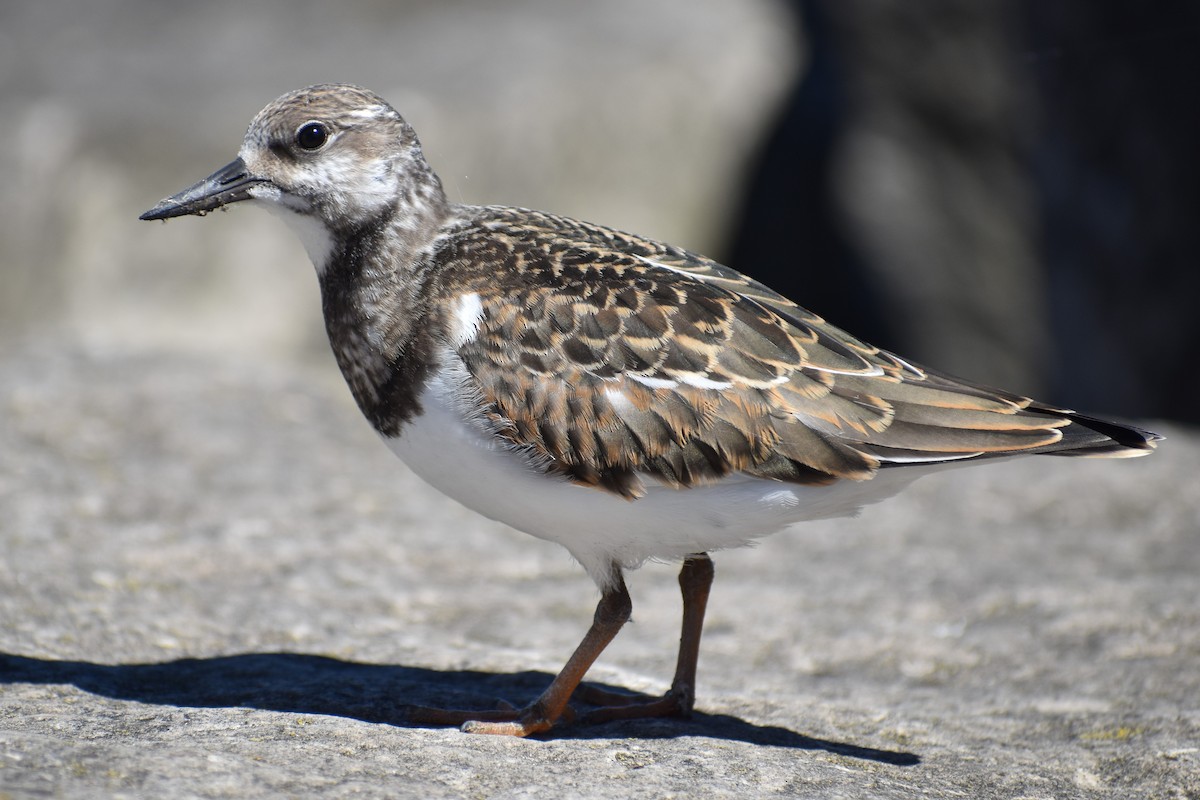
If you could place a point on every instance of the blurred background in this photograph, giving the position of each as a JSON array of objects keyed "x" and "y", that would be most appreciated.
[{"x": 1007, "y": 190}]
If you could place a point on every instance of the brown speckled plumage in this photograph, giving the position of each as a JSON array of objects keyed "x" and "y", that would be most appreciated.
[
  {"x": 624, "y": 398},
  {"x": 574, "y": 312},
  {"x": 712, "y": 373}
]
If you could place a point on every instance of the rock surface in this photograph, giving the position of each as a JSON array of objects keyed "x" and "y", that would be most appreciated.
[{"x": 215, "y": 583}]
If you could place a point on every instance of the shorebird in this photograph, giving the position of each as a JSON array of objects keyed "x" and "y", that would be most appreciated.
[{"x": 624, "y": 398}]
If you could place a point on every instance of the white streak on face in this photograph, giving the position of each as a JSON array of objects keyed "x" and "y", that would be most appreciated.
[
  {"x": 468, "y": 311},
  {"x": 356, "y": 185},
  {"x": 370, "y": 112}
]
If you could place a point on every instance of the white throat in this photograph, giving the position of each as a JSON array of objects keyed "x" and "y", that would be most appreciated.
[
  {"x": 316, "y": 238},
  {"x": 314, "y": 235}
]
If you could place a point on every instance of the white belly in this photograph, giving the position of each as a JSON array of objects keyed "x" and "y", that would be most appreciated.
[{"x": 457, "y": 457}]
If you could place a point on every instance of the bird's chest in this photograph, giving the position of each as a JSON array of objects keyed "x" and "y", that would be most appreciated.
[
  {"x": 383, "y": 351},
  {"x": 371, "y": 378}
]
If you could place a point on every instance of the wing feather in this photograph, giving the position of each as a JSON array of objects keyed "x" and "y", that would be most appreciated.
[{"x": 615, "y": 359}]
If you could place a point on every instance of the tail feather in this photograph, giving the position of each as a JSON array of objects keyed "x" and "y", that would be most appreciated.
[{"x": 1091, "y": 437}]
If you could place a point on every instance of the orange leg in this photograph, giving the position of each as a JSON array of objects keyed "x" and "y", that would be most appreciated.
[
  {"x": 695, "y": 580},
  {"x": 612, "y": 612}
]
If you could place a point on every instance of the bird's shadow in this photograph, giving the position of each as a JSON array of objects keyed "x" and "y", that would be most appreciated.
[{"x": 309, "y": 684}]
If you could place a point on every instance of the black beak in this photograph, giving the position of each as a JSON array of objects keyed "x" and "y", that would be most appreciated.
[{"x": 227, "y": 185}]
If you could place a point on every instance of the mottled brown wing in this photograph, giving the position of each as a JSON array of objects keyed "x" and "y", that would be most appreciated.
[{"x": 613, "y": 358}]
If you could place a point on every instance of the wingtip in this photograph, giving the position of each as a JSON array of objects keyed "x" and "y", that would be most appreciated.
[{"x": 1125, "y": 440}]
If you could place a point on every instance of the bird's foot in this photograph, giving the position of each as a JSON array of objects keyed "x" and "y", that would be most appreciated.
[
  {"x": 508, "y": 720},
  {"x": 677, "y": 702},
  {"x": 505, "y": 720}
]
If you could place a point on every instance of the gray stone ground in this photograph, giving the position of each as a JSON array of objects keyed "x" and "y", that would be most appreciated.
[{"x": 214, "y": 582}]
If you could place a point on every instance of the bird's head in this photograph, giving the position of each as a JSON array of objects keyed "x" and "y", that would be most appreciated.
[{"x": 331, "y": 159}]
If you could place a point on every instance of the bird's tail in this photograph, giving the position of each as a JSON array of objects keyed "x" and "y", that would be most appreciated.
[{"x": 1091, "y": 437}]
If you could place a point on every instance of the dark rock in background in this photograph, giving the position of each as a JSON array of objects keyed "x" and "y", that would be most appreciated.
[
  {"x": 1118, "y": 177},
  {"x": 1006, "y": 191}
]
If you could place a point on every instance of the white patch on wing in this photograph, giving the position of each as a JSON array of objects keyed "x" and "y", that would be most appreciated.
[
  {"x": 620, "y": 401},
  {"x": 468, "y": 311},
  {"x": 701, "y": 382},
  {"x": 652, "y": 382},
  {"x": 915, "y": 370},
  {"x": 697, "y": 380},
  {"x": 874, "y": 371},
  {"x": 653, "y": 263},
  {"x": 930, "y": 458}
]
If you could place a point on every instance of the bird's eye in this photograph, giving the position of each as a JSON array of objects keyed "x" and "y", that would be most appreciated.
[{"x": 311, "y": 136}]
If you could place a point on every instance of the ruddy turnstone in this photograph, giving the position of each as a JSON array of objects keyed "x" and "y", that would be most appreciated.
[{"x": 625, "y": 398}]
